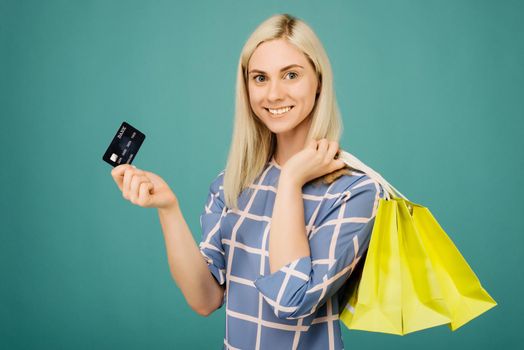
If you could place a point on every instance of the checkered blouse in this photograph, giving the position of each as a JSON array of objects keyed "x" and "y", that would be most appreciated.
[{"x": 296, "y": 307}]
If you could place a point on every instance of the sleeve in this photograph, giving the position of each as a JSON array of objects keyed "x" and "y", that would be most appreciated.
[
  {"x": 210, "y": 245},
  {"x": 337, "y": 243}
]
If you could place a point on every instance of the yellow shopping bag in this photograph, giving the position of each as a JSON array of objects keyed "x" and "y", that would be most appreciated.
[
  {"x": 464, "y": 295},
  {"x": 375, "y": 300},
  {"x": 413, "y": 275},
  {"x": 398, "y": 292},
  {"x": 423, "y": 303}
]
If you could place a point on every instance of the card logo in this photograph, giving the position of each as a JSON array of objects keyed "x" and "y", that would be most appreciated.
[{"x": 121, "y": 132}]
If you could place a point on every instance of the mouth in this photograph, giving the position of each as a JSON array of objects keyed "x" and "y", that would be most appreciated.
[{"x": 279, "y": 112}]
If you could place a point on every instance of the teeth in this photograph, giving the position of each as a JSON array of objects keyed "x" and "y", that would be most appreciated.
[{"x": 279, "y": 110}]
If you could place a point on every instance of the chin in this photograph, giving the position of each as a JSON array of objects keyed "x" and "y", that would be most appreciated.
[{"x": 281, "y": 126}]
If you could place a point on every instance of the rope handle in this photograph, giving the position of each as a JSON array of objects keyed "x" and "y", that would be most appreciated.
[{"x": 357, "y": 164}]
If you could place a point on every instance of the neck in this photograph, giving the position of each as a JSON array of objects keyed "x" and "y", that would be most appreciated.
[{"x": 291, "y": 142}]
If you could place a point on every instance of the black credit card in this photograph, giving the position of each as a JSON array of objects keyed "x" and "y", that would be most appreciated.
[{"x": 125, "y": 145}]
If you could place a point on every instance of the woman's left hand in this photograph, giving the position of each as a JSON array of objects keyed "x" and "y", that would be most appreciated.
[{"x": 315, "y": 160}]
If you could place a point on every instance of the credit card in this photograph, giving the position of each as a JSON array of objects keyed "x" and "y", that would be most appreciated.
[{"x": 125, "y": 145}]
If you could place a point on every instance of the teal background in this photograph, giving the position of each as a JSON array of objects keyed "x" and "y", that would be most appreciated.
[{"x": 431, "y": 96}]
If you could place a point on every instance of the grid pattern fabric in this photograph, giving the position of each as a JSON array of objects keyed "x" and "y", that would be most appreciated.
[{"x": 297, "y": 306}]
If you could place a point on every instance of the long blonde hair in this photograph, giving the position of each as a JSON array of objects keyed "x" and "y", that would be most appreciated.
[{"x": 252, "y": 143}]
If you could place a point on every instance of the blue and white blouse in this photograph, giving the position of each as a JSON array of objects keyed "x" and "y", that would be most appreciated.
[{"x": 297, "y": 306}]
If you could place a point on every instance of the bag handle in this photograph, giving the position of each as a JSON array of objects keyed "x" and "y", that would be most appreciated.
[{"x": 357, "y": 164}]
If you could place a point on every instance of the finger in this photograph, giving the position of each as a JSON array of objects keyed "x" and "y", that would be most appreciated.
[
  {"x": 338, "y": 164},
  {"x": 333, "y": 153},
  {"x": 141, "y": 180},
  {"x": 135, "y": 187},
  {"x": 119, "y": 169},
  {"x": 144, "y": 196},
  {"x": 332, "y": 150},
  {"x": 126, "y": 184},
  {"x": 118, "y": 174},
  {"x": 323, "y": 147}
]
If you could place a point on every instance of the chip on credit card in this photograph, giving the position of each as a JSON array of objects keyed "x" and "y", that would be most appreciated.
[{"x": 125, "y": 145}]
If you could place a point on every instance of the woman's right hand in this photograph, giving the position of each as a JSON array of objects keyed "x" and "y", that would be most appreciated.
[{"x": 143, "y": 188}]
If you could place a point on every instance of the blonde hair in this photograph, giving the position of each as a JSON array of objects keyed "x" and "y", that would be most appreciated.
[{"x": 253, "y": 144}]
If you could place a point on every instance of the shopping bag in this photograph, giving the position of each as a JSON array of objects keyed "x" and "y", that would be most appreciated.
[
  {"x": 464, "y": 295},
  {"x": 398, "y": 293},
  {"x": 375, "y": 303},
  {"x": 423, "y": 302},
  {"x": 413, "y": 276}
]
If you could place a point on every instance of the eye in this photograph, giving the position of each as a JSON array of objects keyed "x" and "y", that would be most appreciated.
[
  {"x": 256, "y": 80},
  {"x": 293, "y": 73}
]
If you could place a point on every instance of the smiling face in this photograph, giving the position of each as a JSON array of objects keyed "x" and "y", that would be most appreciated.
[{"x": 282, "y": 85}]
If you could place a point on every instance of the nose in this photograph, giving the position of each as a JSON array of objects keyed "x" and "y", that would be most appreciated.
[{"x": 275, "y": 91}]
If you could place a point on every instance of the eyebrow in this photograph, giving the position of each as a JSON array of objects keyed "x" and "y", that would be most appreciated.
[{"x": 281, "y": 70}]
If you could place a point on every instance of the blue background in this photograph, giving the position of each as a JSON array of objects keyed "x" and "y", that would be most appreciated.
[{"x": 431, "y": 97}]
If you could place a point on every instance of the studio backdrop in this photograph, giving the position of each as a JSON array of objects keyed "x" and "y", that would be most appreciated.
[{"x": 430, "y": 94}]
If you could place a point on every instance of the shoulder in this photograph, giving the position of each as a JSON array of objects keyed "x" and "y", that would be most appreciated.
[
  {"x": 349, "y": 186},
  {"x": 355, "y": 195},
  {"x": 217, "y": 183},
  {"x": 215, "y": 196},
  {"x": 216, "y": 187}
]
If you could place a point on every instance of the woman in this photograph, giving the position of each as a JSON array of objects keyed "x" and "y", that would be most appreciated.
[{"x": 286, "y": 222}]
